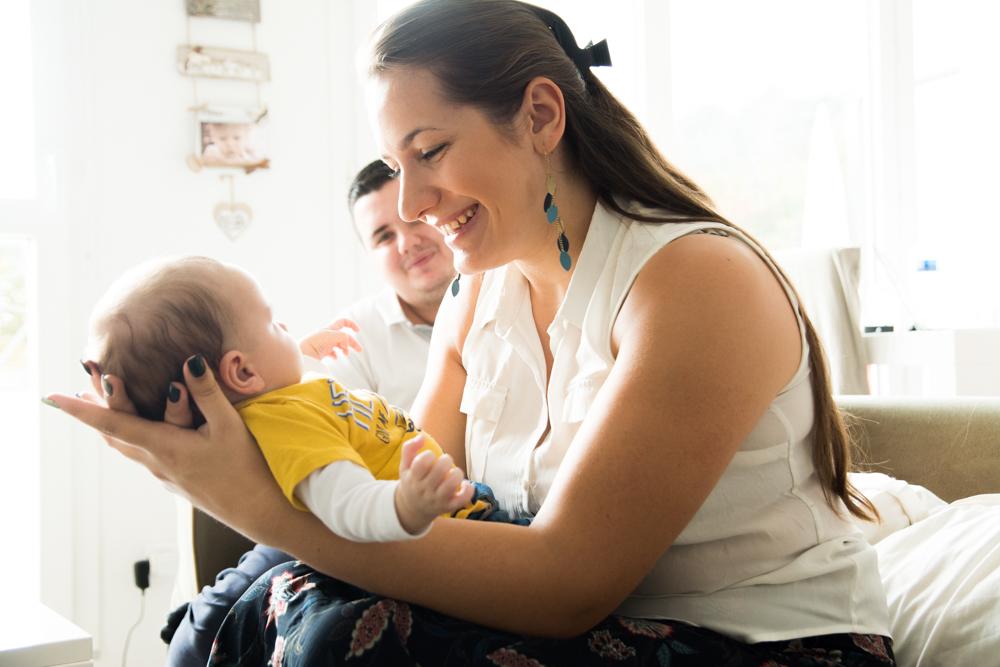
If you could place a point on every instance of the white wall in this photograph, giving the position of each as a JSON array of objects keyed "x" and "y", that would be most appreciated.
[{"x": 114, "y": 131}]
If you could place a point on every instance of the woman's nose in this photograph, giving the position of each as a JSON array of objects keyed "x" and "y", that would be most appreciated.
[{"x": 415, "y": 197}]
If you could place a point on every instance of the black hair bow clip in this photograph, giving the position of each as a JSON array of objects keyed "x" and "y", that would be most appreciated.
[
  {"x": 592, "y": 55},
  {"x": 595, "y": 55}
]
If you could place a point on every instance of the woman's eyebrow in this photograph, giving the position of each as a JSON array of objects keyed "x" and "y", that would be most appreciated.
[{"x": 408, "y": 139}]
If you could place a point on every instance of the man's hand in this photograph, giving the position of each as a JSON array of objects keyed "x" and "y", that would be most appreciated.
[
  {"x": 428, "y": 487},
  {"x": 331, "y": 338}
]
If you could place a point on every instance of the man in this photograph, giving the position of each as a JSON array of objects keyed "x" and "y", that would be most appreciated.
[
  {"x": 395, "y": 330},
  {"x": 395, "y": 325}
]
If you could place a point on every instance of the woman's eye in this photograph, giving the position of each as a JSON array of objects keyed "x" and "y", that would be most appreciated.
[
  {"x": 432, "y": 152},
  {"x": 383, "y": 238}
]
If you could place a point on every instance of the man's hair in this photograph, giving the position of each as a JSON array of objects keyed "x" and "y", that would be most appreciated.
[
  {"x": 152, "y": 319},
  {"x": 370, "y": 179}
]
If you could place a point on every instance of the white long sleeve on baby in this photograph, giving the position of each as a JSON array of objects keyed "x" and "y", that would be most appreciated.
[{"x": 349, "y": 500}]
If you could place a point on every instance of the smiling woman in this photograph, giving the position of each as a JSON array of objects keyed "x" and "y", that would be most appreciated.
[{"x": 660, "y": 403}]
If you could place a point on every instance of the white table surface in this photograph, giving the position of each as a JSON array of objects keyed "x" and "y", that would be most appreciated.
[{"x": 33, "y": 635}]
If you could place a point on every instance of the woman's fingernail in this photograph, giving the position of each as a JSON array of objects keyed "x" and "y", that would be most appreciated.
[
  {"x": 86, "y": 368},
  {"x": 106, "y": 385},
  {"x": 196, "y": 365},
  {"x": 48, "y": 401},
  {"x": 173, "y": 394}
]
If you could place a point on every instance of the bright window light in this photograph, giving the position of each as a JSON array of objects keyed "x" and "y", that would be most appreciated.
[
  {"x": 19, "y": 475},
  {"x": 17, "y": 112},
  {"x": 769, "y": 102},
  {"x": 956, "y": 104}
]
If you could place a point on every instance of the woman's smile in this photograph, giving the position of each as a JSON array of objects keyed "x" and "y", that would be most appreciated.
[
  {"x": 451, "y": 228},
  {"x": 456, "y": 230}
]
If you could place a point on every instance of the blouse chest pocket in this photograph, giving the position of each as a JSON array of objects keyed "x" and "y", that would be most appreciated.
[
  {"x": 580, "y": 396},
  {"x": 483, "y": 404}
]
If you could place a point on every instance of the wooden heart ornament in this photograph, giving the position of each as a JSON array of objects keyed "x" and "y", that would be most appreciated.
[{"x": 232, "y": 219}]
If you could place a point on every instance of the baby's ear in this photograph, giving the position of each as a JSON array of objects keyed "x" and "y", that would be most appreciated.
[{"x": 237, "y": 375}]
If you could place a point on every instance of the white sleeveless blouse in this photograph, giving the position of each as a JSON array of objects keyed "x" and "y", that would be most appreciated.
[{"x": 765, "y": 558}]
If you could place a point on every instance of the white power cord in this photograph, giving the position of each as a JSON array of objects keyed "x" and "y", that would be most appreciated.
[{"x": 128, "y": 637}]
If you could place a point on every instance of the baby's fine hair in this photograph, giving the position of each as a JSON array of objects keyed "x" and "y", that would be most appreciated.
[{"x": 152, "y": 319}]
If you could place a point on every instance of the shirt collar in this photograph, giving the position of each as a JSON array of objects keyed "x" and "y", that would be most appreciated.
[
  {"x": 604, "y": 225},
  {"x": 389, "y": 309},
  {"x": 502, "y": 297},
  {"x": 499, "y": 299}
]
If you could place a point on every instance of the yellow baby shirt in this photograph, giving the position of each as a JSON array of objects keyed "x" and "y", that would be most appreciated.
[{"x": 304, "y": 427}]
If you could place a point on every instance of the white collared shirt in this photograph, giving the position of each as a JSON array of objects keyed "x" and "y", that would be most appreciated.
[
  {"x": 343, "y": 495},
  {"x": 394, "y": 355},
  {"x": 765, "y": 558}
]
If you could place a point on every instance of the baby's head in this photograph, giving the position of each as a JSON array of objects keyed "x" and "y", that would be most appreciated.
[
  {"x": 231, "y": 139},
  {"x": 160, "y": 313}
]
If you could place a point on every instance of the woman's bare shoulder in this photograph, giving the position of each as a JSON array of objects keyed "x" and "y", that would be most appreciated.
[{"x": 706, "y": 287}]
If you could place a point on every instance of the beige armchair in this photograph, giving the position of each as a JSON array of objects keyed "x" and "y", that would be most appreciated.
[{"x": 951, "y": 446}]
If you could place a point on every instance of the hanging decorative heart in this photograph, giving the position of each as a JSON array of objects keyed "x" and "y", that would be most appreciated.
[{"x": 232, "y": 218}]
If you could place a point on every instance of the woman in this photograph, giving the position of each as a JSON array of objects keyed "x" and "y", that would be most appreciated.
[{"x": 617, "y": 359}]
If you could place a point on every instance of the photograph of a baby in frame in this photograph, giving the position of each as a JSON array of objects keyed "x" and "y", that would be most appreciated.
[{"x": 231, "y": 140}]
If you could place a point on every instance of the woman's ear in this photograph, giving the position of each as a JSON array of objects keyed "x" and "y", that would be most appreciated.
[
  {"x": 237, "y": 375},
  {"x": 544, "y": 108}
]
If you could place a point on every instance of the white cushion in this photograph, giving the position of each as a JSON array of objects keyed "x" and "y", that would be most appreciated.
[
  {"x": 899, "y": 504},
  {"x": 942, "y": 584}
]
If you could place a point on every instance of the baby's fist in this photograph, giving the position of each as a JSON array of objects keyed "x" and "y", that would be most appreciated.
[{"x": 428, "y": 487}]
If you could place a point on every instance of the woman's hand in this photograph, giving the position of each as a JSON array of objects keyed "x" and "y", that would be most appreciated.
[{"x": 212, "y": 466}]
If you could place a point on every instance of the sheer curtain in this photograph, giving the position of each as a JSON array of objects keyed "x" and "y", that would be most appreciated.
[{"x": 19, "y": 406}]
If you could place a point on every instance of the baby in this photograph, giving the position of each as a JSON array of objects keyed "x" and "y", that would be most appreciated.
[
  {"x": 228, "y": 144},
  {"x": 335, "y": 451}
]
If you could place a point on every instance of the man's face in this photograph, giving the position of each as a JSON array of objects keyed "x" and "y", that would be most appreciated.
[{"x": 411, "y": 256}]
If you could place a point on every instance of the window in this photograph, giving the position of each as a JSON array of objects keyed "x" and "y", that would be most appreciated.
[
  {"x": 768, "y": 107},
  {"x": 955, "y": 143},
  {"x": 17, "y": 114},
  {"x": 19, "y": 475}
]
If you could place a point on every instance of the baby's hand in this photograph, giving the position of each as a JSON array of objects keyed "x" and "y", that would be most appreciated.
[
  {"x": 333, "y": 337},
  {"x": 428, "y": 487}
]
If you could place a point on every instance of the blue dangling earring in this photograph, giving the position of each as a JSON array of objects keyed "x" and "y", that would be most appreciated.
[
  {"x": 552, "y": 214},
  {"x": 454, "y": 285}
]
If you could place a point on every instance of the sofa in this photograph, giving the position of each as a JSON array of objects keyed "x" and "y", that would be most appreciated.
[{"x": 939, "y": 555}]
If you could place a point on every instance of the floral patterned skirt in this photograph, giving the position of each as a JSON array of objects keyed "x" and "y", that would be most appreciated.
[{"x": 293, "y": 616}]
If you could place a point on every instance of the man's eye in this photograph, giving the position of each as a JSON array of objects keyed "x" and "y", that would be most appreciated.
[{"x": 383, "y": 238}]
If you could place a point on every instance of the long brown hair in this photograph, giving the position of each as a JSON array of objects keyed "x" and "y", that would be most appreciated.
[{"x": 485, "y": 52}]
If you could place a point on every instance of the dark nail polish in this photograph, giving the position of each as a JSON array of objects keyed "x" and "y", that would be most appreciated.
[
  {"x": 86, "y": 368},
  {"x": 196, "y": 365},
  {"x": 173, "y": 394},
  {"x": 106, "y": 384}
]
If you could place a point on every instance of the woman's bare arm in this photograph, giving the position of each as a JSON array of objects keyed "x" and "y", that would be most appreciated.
[
  {"x": 704, "y": 342},
  {"x": 436, "y": 407}
]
